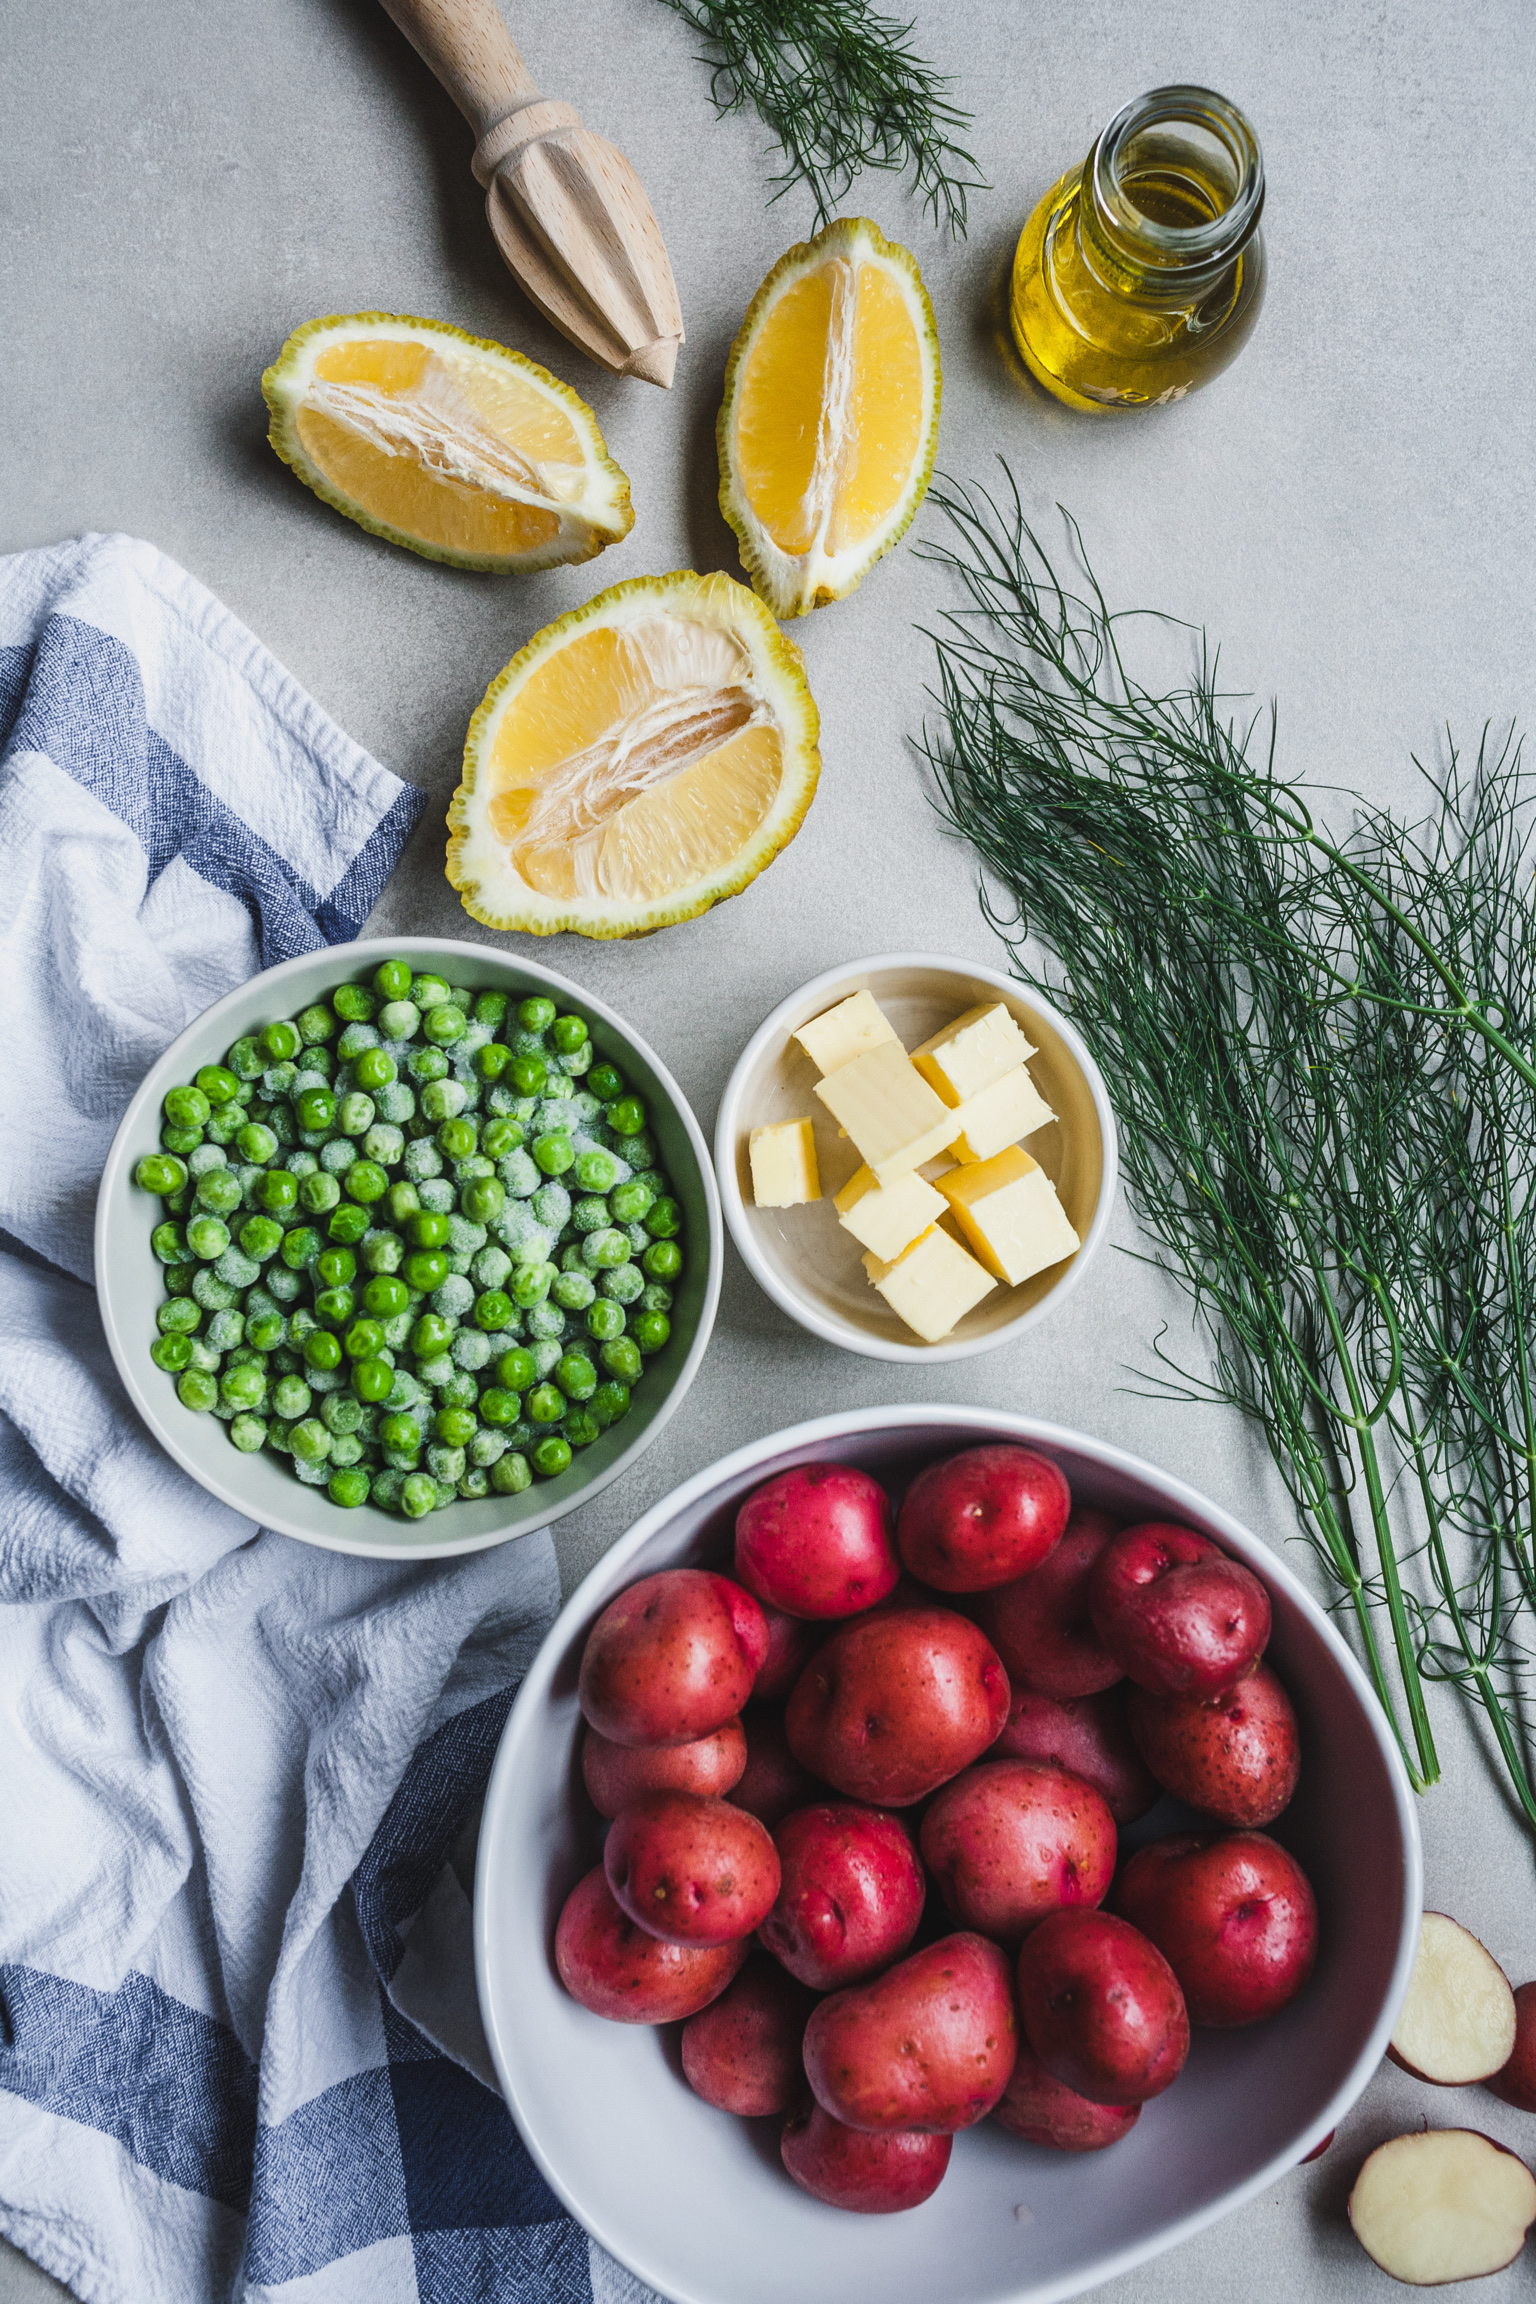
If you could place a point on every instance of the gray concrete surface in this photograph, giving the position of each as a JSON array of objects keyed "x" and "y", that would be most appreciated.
[{"x": 1349, "y": 511}]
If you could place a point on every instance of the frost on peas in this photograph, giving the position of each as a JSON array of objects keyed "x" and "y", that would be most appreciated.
[
  {"x": 354, "y": 1114},
  {"x": 282, "y": 1283},
  {"x": 404, "y": 1394},
  {"x": 397, "y": 1328},
  {"x": 466, "y": 1171},
  {"x": 655, "y": 1298},
  {"x": 550, "y": 1115},
  {"x": 346, "y": 1449},
  {"x": 443, "y": 1100},
  {"x": 312, "y": 1475},
  {"x": 225, "y": 1330},
  {"x": 214, "y": 1294},
  {"x": 302, "y": 1163},
  {"x": 470, "y": 1349},
  {"x": 545, "y": 1321},
  {"x": 399, "y": 1020},
  {"x": 520, "y": 1173},
  {"x": 460, "y": 1391},
  {"x": 204, "y": 1358},
  {"x": 436, "y": 1195},
  {"x": 624, "y": 1283},
  {"x": 591, "y": 1214},
  {"x": 341, "y": 1412},
  {"x": 239, "y": 1270},
  {"x": 438, "y": 1370},
  {"x": 573, "y": 1291},
  {"x": 396, "y": 1103},
  {"x": 202, "y": 1157},
  {"x": 355, "y": 1039},
  {"x": 445, "y": 1463},
  {"x": 384, "y": 1143},
  {"x": 454, "y": 1298},
  {"x": 327, "y": 1379},
  {"x": 552, "y": 1206},
  {"x": 491, "y": 1267},
  {"x": 423, "y": 1161},
  {"x": 487, "y": 1448},
  {"x": 278, "y": 1080},
  {"x": 337, "y": 1156},
  {"x": 547, "y": 1353}
]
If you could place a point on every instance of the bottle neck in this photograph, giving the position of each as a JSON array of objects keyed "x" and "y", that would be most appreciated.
[{"x": 1171, "y": 195}]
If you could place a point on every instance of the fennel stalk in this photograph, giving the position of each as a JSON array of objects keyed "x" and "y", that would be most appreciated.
[{"x": 1319, "y": 1047}]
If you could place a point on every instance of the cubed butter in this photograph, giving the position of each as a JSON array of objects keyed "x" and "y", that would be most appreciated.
[
  {"x": 931, "y": 1285},
  {"x": 851, "y": 1029},
  {"x": 1012, "y": 1107},
  {"x": 1008, "y": 1210},
  {"x": 889, "y": 1110},
  {"x": 783, "y": 1161},
  {"x": 968, "y": 1055},
  {"x": 887, "y": 1217}
]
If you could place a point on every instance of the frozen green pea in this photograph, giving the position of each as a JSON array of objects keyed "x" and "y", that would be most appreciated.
[
  {"x": 347, "y": 1223},
  {"x": 353, "y": 1003},
  {"x": 160, "y": 1173},
  {"x": 473, "y": 1482},
  {"x": 291, "y": 1398},
  {"x": 245, "y": 1060},
  {"x": 580, "y": 1427},
  {"x": 576, "y": 1376},
  {"x": 651, "y": 1330},
  {"x": 609, "y": 1402},
  {"x": 663, "y": 1260},
  {"x": 483, "y": 1199},
  {"x": 337, "y": 1156},
  {"x": 341, "y": 1412},
  {"x": 240, "y": 1271},
  {"x": 545, "y": 1404},
  {"x": 553, "y": 1152},
  {"x": 445, "y": 1463},
  {"x": 552, "y": 1455},
  {"x": 631, "y": 1201},
  {"x": 260, "y": 1237},
  {"x": 573, "y": 1291},
  {"x": 180, "y": 1141},
  {"x": 622, "y": 1359},
  {"x": 169, "y": 1242},
  {"x": 207, "y": 1237},
  {"x": 605, "y": 1320},
  {"x": 278, "y": 1192},
  {"x": 384, "y": 1144},
  {"x": 510, "y": 1475},
  {"x": 399, "y": 1019},
  {"x": 249, "y": 1433},
  {"x": 596, "y": 1170},
  {"x": 443, "y": 1101},
  {"x": 186, "y": 1107},
  {"x": 266, "y": 1330},
  {"x": 365, "y": 1182},
  {"x": 319, "y": 1194},
  {"x": 279, "y": 1041},
  {"x": 568, "y": 1033},
  {"x": 243, "y": 1386},
  {"x": 173, "y": 1353},
  {"x": 530, "y": 1284},
  {"x": 655, "y": 1297},
  {"x": 256, "y": 1143},
  {"x": 310, "y": 1441},
  {"x": 316, "y": 1109},
  {"x": 315, "y": 1025},
  {"x": 197, "y": 1390},
  {"x": 591, "y": 1215},
  {"x": 605, "y": 1251},
  {"x": 354, "y": 1114},
  {"x": 214, "y": 1294},
  {"x": 373, "y": 1380},
  {"x": 178, "y": 1317}
]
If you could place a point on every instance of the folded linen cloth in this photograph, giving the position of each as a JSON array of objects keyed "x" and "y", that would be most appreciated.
[{"x": 239, "y": 2051}]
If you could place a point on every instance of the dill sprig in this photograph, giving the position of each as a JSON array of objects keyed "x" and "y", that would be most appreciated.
[
  {"x": 841, "y": 89},
  {"x": 1319, "y": 1046}
]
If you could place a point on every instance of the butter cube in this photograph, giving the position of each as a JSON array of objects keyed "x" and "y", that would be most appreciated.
[
  {"x": 1008, "y": 1210},
  {"x": 932, "y": 1284},
  {"x": 889, "y": 1110},
  {"x": 968, "y": 1055},
  {"x": 783, "y": 1161},
  {"x": 851, "y": 1029},
  {"x": 1012, "y": 1107},
  {"x": 887, "y": 1217}
]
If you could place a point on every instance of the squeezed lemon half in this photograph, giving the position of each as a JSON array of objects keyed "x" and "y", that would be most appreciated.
[
  {"x": 457, "y": 448},
  {"x": 641, "y": 759},
  {"x": 831, "y": 415}
]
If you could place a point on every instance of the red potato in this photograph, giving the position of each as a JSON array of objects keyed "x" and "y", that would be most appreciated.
[
  {"x": 896, "y": 1704},
  {"x": 816, "y": 1541},
  {"x": 1040, "y": 1626},
  {"x": 1237, "y": 1757},
  {"x": 872, "y": 2175},
  {"x": 1039, "y": 2108},
  {"x": 851, "y": 1894},
  {"x": 672, "y": 1659},
  {"x": 1009, "y": 1842},
  {"x": 1516, "y": 2081},
  {"x": 616, "y": 1774},
  {"x": 691, "y": 1870},
  {"x": 1091, "y": 1736},
  {"x": 1233, "y": 1915},
  {"x": 742, "y": 2052},
  {"x": 1101, "y": 2008},
  {"x": 982, "y": 1518},
  {"x": 1176, "y": 1613},
  {"x": 624, "y": 1973},
  {"x": 791, "y": 1644},
  {"x": 773, "y": 1781},
  {"x": 929, "y": 2044}
]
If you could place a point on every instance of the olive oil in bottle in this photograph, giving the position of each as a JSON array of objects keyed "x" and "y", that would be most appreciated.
[{"x": 1141, "y": 273}]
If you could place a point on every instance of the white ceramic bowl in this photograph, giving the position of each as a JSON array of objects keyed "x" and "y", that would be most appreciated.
[
  {"x": 696, "y": 2203},
  {"x": 804, "y": 1259},
  {"x": 129, "y": 1286}
]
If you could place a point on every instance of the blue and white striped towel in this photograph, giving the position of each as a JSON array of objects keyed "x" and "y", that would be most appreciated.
[{"x": 234, "y": 1947}]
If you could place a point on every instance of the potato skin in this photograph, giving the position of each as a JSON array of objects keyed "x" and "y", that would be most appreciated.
[
  {"x": 619, "y": 1971},
  {"x": 847, "y": 2168},
  {"x": 616, "y": 1774},
  {"x": 929, "y": 2045},
  {"x": 817, "y": 1541},
  {"x": 1181, "y": 1616},
  {"x": 672, "y": 1659},
  {"x": 1234, "y": 1916},
  {"x": 1237, "y": 1757},
  {"x": 851, "y": 1894},
  {"x": 982, "y": 1518},
  {"x": 792, "y": 1642},
  {"x": 690, "y": 1870},
  {"x": 897, "y": 1703},
  {"x": 1101, "y": 2008},
  {"x": 773, "y": 1781},
  {"x": 742, "y": 2052},
  {"x": 1043, "y": 2110},
  {"x": 1088, "y": 1734},
  {"x": 1515, "y": 2082},
  {"x": 1040, "y": 1625},
  {"x": 1009, "y": 1842}
]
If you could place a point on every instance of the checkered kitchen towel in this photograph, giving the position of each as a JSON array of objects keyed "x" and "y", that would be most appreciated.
[{"x": 239, "y": 2052}]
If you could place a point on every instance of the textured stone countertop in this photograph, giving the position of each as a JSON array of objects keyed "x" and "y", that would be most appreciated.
[{"x": 1349, "y": 511}]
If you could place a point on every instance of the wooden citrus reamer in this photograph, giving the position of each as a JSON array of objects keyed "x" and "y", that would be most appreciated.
[{"x": 568, "y": 212}]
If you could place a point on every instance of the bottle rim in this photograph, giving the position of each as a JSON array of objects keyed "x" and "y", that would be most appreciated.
[{"x": 1175, "y": 248}]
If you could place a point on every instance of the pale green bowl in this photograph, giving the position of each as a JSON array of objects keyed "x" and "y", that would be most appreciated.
[{"x": 129, "y": 1285}]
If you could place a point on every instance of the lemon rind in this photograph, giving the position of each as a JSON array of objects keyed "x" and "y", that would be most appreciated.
[
  {"x": 604, "y": 516},
  {"x": 780, "y": 577},
  {"x": 779, "y": 667}
]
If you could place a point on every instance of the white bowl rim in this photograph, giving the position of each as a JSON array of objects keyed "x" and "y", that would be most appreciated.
[
  {"x": 826, "y": 1325},
  {"x": 851, "y": 1422},
  {"x": 149, "y": 1088}
]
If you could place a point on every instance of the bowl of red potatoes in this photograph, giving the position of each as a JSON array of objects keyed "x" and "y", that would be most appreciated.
[{"x": 935, "y": 1852}]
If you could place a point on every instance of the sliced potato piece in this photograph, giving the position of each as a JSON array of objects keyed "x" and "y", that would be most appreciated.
[
  {"x": 1444, "y": 2204},
  {"x": 1457, "y": 2024}
]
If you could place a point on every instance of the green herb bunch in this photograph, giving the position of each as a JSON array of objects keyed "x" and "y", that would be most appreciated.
[
  {"x": 1320, "y": 1052},
  {"x": 841, "y": 90}
]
